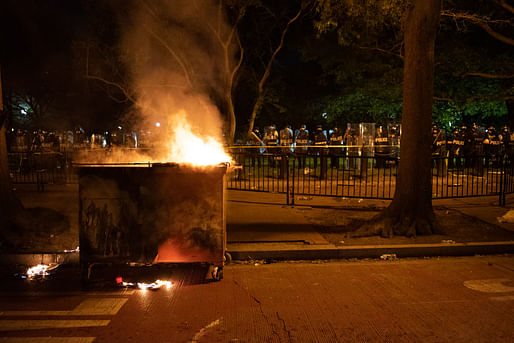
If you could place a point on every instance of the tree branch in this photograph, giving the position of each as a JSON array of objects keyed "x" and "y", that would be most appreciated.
[
  {"x": 173, "y": 53},
  {"x": 483, "y": 22},
  {"x": 125, "y": 92},
  {"x": 506, "y": 6},
  {"x": 384, "y": 51},
  {"x": 490, "y": 76}
]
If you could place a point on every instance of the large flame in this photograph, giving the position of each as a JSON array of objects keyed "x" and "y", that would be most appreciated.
[{"x": 187, "y": 147}]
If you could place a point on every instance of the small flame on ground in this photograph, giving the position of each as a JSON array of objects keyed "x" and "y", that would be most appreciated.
[
  {"x": 77, "y": 249},
  {"x": 41, "y": 270},
  {"x": 157, "y": 284}
]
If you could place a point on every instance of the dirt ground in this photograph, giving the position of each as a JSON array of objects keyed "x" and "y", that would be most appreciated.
[{"x": 458, "y": 227}]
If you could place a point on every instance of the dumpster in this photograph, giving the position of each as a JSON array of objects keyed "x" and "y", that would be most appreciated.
[{"x": 152, "y": 213}]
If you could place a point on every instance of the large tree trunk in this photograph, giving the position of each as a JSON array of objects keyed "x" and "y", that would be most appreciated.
[
  {"x": 410, "y": 213},
  {"x": 5, "y": 181}
]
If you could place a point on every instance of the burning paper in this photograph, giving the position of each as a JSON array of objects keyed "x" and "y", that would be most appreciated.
[
  {"x": 41, "y": 269},
  {"x": 144, "y": 286}
]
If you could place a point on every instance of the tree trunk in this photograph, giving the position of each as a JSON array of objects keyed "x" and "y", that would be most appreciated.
[
  {"x": 5, "y": 181},
  {"x": 410, "y": 213},
  {"x": 9, "y": 204}
]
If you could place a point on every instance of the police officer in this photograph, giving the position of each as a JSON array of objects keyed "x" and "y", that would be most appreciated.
[
  {"x": 286, "y": 142},
  {"x": 382, "y": 146},
  {"x": 492, "y": 145},
  {"x": 286, "y": 139},
  {"x": 302, "y": 141},
  {"x": 336, "y": 139},
  {"x": 458, "y": 145},
  {"x": 505, "y": 140},
  {"x": 270, "y": 140},
  {"x": 438, "y": 149},
  {"x": 320, "y": 142},
  {"x": 255, "y": 141},
  {"x": 478, "y": 151},
  {"x": 37, "y": 141},
  {"x": 351, "y": 139}
]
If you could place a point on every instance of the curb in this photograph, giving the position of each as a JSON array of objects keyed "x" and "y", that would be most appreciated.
[
  {"x": 32, "y": 259},
  {"x": 374, "y": 251},
  {"x": 325, "y": 253}
]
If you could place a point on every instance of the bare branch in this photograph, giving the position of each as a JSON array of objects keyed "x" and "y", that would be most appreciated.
[
  {"x": 173, "y": 53},
  {"x": 495, "y": 34},
  {"x": 507, "y": 6},
  {"x": 125, "y": 92},
  {"x": 483, "y": 22},
  {"x": 384, "y": 51},
  {"x": 490, "y": 76}
]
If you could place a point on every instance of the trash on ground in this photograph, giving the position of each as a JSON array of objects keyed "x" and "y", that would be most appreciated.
[
  {"x": 388, "y": 257},
  {"x": 507, "y": 217},
  {"x": 448, "y": 241}
]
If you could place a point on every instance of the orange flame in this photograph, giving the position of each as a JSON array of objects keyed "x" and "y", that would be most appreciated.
[{"x": 188, "y": 148}]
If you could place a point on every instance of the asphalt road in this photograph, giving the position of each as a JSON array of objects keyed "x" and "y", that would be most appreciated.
[{"x": 413, "y": 300}]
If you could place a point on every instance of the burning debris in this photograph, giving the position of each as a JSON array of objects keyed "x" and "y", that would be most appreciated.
[
  {"x": 40, "y": 270},
  {"x": 157, "y": 284},
  {"x": 77, "y": 249}
]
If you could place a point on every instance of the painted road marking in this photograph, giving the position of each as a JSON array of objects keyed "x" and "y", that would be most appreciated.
[
  {"x": 88, "y": 307},
  {"x": 489, "y": 285},
  {"x": 17, "y": 325},
  {"x": 47, "y": 339},
  {"x": 504, "y": 298}
]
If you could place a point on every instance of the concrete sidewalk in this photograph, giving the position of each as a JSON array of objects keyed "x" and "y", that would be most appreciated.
[{"x": 261, "y": 227}]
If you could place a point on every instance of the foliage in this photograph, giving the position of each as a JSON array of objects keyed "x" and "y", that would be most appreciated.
[{"x": 355, "y": 19}]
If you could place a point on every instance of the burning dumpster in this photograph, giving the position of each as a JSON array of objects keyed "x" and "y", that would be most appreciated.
[{"x": 150, "y": 213}]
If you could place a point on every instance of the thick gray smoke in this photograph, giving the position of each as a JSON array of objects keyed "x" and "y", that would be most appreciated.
[{"x": 176, "y": 64}]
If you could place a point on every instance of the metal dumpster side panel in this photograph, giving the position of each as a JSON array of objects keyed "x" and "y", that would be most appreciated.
[{"x": 152, "y": 214}]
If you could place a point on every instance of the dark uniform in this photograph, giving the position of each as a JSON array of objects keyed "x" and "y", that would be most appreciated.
[
  {"x": 336, "y": 138},
  {"x": 270, "y": 140},
  {"x": 286, "y": 142},
  {"x": 382, "y": 147},
  {"x": 351, "y": 139},
  {"x": 458, "y": 146},
  {"x": 439, "y": 150},
  {"x": 320, "y": 142},
  {"x": 492, "y": 145},
  {"x": 478, "y": 151},
  {"x": 255, "y": 141},
  {"x": 302, "y": 141}
]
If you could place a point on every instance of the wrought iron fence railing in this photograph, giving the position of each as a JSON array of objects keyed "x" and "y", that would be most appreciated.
[
  {"x": 332, "y": 173},
  {"x": 325, "y": 172}
]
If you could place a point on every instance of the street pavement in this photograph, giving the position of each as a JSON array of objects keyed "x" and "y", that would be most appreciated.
[{"x": 451, "y": 299}]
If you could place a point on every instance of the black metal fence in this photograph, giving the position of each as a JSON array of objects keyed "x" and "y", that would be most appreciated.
[
  {"x": 366, "y": 177},
  {"x": 325, "y": 173},
  {"x": 41, "y": 168}
]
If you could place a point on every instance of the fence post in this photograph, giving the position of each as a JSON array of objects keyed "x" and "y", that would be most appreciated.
[
  {"x": 503, "y": 180},
  {"x": 285, "y": 165},
  {"x": 292, "y": 186}
]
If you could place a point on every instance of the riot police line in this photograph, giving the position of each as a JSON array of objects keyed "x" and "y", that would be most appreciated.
[
  {"x": 472, "y": 148},
  {"x": 350, "y": 148},
  {"x": 53, "y": 141}
]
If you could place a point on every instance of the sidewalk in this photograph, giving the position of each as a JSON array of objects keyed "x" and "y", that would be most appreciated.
[
  {"x": 258, "y": 228},
  {"x": 261, "y": 227}
]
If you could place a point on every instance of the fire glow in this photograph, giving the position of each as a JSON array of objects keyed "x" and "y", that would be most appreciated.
[
  {"x": 188, "y": 148},
  {"x": 41, "y": 270},
  {"x": 157, "y": 284}
]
